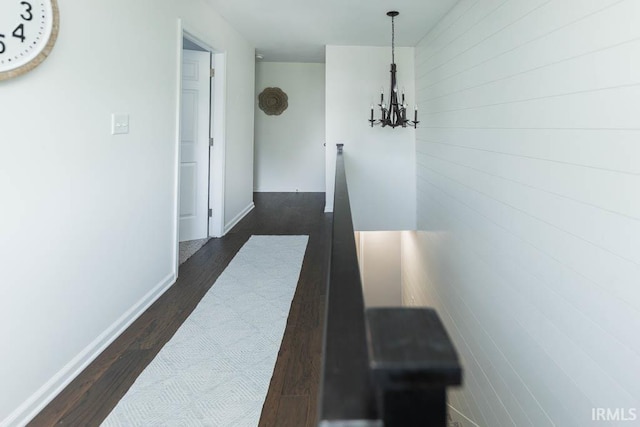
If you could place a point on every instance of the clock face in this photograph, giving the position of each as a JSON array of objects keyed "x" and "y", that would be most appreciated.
[{"x": 28, "y": 29}]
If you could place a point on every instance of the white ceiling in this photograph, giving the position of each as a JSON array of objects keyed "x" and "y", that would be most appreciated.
[{"x": 298, "y": 30}]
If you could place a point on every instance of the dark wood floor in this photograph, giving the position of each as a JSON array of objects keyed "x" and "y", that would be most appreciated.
[{"x": 293, "y": 392}]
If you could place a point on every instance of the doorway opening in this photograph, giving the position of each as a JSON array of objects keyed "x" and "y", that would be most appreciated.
[{"x": 200, "y": 144}]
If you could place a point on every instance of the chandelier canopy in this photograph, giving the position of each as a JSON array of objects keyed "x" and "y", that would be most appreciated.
[{"x": 394, "y": 114}]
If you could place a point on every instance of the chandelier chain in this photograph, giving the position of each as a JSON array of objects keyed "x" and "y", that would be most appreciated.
[{"x": 393, "y": 41}]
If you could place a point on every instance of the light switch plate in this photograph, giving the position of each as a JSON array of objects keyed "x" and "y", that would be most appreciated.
[{"x": 119, "y": 124}]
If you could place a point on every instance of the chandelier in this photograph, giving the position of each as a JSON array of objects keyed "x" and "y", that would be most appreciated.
[{"x": 394, "y": 114}]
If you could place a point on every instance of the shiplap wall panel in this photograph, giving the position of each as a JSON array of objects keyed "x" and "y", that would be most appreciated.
[
  {"x": 472, "y": 43},
  {"x": 557, "y": 32},
  {"x": 528, "y": 176},
  {"x": 603, "y": 69},
  {"x": 583, "y": 110},
  {"x": 556, "y": 387},
  {"x": 465, "y": 19},
  {"x": 486, "y": 209},
  {"x": 585, "y": 314},
  {"x": 619, "y": 235},
  {"x": 573, "y": 251},
  {"x": 580, "y": 147}
]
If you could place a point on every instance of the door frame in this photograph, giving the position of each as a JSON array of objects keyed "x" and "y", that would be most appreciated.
[{"x": 217, "y": 130}]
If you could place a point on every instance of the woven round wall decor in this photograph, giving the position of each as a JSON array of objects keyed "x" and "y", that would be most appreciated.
[{"x": 273, "y": 101}]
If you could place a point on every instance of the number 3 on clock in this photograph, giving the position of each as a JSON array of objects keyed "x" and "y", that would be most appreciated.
[
  {"x": 28, "y": 31},
  {"x": 29, "y": 16}
]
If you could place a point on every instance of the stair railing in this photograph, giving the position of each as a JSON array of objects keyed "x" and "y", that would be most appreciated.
[{"x": 381, "y": 366}]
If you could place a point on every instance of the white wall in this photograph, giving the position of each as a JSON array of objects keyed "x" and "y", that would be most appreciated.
[
  {"x": 528, "y": 183},
  {"x": 289, "y": 150},
  {"x": 380, "y": 163},
  {"x": 379, "y": 258},
  {"x": 87, "y": 225}
]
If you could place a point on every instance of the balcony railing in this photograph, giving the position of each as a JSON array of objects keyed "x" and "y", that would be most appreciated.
[{"x": 382, "y": 366}]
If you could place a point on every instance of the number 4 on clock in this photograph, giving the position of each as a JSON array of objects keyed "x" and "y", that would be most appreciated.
[{"x": 19, "y": 33}]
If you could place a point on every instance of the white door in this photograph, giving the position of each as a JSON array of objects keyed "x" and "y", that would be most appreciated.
[{"x": 194, "y": 145}]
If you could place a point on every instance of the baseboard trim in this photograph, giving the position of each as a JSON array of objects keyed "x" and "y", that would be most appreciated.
[
  {"x": 238, "y": 217},
  {"x": 45, "y": 394}
]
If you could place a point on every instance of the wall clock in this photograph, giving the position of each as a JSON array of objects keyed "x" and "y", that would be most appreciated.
[{"x": 28, "y": 31}]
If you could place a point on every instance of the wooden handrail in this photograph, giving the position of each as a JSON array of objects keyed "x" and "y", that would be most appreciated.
[
  {"x": 347, "y": 391},
  {"x": 382, "y": 366}
]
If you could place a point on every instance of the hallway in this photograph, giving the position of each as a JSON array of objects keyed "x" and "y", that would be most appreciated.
[
  {"x": 292, "y": 396},
  {"x": 518, "y": 191}
]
